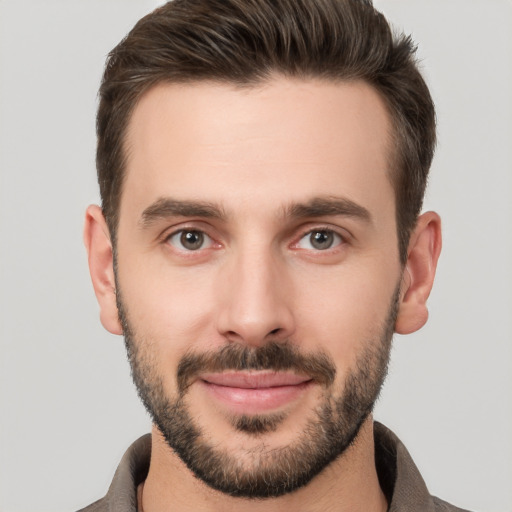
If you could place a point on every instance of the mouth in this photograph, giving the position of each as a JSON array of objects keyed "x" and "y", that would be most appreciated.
[{"x": 255, "y": 392}]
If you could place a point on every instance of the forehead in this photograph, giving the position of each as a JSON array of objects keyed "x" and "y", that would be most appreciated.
[{"x": 282, "y": 141}]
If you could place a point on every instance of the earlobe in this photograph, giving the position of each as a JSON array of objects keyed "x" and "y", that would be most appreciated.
[
  {"x": 101, "y": 267},
  {"x": 419, "y": 272}
]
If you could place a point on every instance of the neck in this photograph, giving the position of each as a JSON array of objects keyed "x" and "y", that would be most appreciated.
[{"x": 350, "y": 483}]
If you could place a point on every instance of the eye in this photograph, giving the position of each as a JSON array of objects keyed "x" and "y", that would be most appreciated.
[
  {"x": 320, "y": 240},
  {"x": 190, "y": 240}
]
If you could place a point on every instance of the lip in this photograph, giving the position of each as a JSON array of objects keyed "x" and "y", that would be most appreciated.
[
  {"x": 255, "y": 392},
  {"x": 255, "y": 380}
]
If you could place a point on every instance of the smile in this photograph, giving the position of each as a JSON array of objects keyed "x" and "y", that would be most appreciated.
[{"x": 255, "y": 392}]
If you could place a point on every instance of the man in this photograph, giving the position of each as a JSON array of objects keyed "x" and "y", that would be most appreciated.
[{"x": 262, "y": 167}]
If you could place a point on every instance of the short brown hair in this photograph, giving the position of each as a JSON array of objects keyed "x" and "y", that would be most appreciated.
[{"x": 244, "y": 42}]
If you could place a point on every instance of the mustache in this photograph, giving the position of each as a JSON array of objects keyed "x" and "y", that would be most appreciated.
[{"x": 271, "y": 356}]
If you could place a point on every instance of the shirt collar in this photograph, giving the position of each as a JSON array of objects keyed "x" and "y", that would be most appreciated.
[{"x": 399, "y": 477}]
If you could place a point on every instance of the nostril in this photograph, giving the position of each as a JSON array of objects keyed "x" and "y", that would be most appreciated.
[{"x": 275, "y": 331}]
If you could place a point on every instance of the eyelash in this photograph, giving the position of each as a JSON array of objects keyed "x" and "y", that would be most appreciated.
[
  {"x": 180, "y": 232},
  {"x": 342, "y": 239},
  {"x": 339, "y": 239}
]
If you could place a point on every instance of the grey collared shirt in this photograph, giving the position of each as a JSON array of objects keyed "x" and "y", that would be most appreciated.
[{"x": 399, "y": 478}]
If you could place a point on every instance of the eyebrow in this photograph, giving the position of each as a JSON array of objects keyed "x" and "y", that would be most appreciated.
[
  {"x": 165, "y": 207},
  {"x": 325, "y": 206}
]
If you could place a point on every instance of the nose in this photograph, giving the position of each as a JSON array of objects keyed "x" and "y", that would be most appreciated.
[{"x": 256, "y": 300}]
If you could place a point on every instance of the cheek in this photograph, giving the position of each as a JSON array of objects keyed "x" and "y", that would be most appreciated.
[
  {"x": 345, "y": 313},
  {"x": 169, "y": 308}
]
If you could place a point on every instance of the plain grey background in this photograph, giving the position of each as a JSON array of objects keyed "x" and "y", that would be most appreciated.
[{"x": 68, "y": 409}]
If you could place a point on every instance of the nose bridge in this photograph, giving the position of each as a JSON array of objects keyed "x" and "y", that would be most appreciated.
[{"x": 255, "y": 306}]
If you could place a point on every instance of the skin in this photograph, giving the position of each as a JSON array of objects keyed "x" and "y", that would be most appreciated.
[{"x": 253, "y": 153}]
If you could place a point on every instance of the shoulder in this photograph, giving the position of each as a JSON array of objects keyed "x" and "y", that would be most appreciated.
[
  {"x": 97, "y": 506},
  {"x": 443, "y": 506}
]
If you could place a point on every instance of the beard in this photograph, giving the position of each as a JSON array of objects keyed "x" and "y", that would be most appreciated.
[{"x": 264, "y": 472}]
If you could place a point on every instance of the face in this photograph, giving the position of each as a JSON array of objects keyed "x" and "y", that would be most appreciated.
[{"x": 258, "y": 273}]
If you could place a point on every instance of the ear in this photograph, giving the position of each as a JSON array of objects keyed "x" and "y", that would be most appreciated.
[
  {"x": 101, "y": 267},
  {"x": 419, "y": 272}
]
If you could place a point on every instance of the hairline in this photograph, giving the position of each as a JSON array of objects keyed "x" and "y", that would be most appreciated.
[{"x": 393, "y": 142}]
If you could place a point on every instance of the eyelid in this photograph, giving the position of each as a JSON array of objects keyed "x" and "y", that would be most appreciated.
[
  {"x": 339, "y": 232},
  {"x": 207, "y": 242},
  {"x": 185, "y": 225},
  {"x": 168, "y": 233}
]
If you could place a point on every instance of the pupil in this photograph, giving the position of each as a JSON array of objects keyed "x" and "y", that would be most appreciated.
[
  {"x": 321, "y": 240},
  {"x": 192, "y": 240}
]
